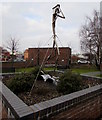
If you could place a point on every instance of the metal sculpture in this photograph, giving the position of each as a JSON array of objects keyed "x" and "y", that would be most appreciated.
[{"x": 57, "y": 12}]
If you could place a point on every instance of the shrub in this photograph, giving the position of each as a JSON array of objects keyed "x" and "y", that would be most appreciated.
[
  {"x": 21, "y": 83},
  {"x": 69, "y": 82},
  {"x": 36, "y": 70}
]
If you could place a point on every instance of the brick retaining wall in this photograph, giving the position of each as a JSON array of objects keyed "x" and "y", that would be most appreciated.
[
  {"x": 15, "y": 107},
  {"x": 84, "y": 104},
  {"x": 87, "y": 110},
  {"x": 77, "y": 104}
]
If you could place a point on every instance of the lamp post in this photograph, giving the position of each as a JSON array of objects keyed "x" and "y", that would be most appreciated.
[{"x": 32, "y": 62}]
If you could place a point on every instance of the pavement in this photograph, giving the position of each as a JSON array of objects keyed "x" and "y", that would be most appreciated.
[{"x": 92, "y": 73}]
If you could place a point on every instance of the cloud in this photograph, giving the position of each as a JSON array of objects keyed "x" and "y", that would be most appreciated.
[
  {"x": 31, "y": 23},
  {"x": 37, "y": 27}
]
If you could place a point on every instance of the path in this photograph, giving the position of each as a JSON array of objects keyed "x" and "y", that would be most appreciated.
[{"x": 92, "y": 73}]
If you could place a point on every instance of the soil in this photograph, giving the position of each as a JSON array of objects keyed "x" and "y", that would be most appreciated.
[{"x": 42, "y": 91}]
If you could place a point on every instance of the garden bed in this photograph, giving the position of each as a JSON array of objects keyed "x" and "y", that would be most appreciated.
[
  {"x": 42, "y": 91},
  {"x": 21, "y": 85}
]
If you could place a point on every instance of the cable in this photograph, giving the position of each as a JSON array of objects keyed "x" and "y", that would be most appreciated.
[
  {"x": 48, "y": 40},
  {"x": 39, "y": 71},
  {"x": 26, "y": 66},
  {"x": 59, "y": 41}
]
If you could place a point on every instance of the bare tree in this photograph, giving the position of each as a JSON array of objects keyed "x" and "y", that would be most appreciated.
[
  {"x": 90, "y": 36},
  {"x": 12, "y": 45}
]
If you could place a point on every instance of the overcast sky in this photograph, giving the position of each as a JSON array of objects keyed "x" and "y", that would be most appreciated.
[{"x": 30, "y": 22}]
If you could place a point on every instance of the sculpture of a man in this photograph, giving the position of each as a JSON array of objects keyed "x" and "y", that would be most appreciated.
[{"x": 56, "y": 13}]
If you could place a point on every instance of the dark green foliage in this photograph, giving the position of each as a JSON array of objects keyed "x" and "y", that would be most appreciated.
[
  {"x": 69, "y": 82},
  {"x": 21, "y": 83},
  {"x": 36, "y": 70}
]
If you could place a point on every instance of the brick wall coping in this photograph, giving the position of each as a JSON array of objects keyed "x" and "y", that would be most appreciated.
[
  {"x": 17, "y": 107},
  {"x": 61, "y": 103},
  {"x": 67, "y": 97}
]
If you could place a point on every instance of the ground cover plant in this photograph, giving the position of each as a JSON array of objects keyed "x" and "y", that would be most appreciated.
[{"x": 69, "y": 82}]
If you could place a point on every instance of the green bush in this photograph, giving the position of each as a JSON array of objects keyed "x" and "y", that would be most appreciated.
[
  {"x": 36, "y": 70},
  {"x": 69, "y": 82},
  {"x": 21, "y": 83}
]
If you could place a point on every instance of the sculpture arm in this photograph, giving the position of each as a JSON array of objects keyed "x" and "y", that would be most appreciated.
[{"x": 62, "y": 14}]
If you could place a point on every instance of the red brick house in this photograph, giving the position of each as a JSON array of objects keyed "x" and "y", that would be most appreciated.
[
  {"x": 74, "y": 58},
  {"x": 36, "y": 55},
  {"x": 4, "y": 54}
]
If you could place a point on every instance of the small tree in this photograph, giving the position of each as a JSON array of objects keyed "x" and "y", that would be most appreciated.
[
  {"x": 69, "y": 82},
  {"x": 12, "y": 45}
]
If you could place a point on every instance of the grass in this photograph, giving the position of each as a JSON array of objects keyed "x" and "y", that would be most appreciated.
[
  {"x": 84, "y": 70},
  {"x": 100, "y": 75},
  {"x": 24, "y": 69},
  {"x": 75, "y": 70},
  {"x": 49, "y": 69},
  {"x": 28, "y": 70}
]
